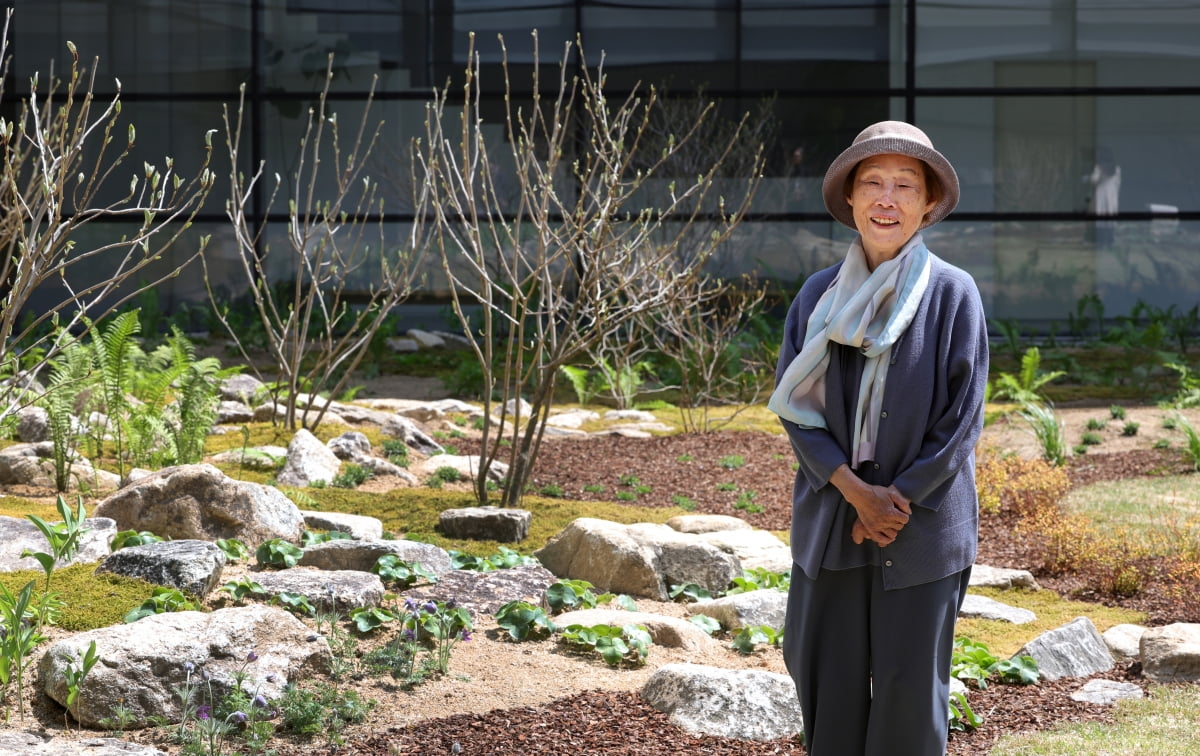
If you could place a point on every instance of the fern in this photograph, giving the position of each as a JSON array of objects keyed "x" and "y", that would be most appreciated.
[
  {"x": 585, "y": 382},
  {"x": 1026, "y": 387},
  {"x": 114, "y": 351},
  {"x": 69, "y": 375}
]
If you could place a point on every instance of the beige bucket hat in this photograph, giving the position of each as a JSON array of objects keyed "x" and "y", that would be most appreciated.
[{"x": 884, "y": 138}]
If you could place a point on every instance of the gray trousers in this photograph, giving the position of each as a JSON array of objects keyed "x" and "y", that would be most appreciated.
[{"x": 872, "y": 667}]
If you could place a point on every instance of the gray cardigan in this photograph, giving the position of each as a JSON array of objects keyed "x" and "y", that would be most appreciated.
[{"x": 931, "y": 418}]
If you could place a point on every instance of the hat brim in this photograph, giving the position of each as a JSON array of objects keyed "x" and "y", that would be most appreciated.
[{"x": 834, "y": 186}]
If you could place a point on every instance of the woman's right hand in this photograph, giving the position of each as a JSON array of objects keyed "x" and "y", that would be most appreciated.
[{"x": 882, "y": 510}]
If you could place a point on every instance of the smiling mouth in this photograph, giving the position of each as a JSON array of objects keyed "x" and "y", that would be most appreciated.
[{"x": 885, "y": 221}]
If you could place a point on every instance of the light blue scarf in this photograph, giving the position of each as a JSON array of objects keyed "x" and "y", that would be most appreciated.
[{"x": 864, "y": 309}]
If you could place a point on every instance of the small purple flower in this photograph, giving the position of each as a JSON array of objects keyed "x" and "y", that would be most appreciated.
[
  {"x": 251, "y": 657},
  {"x": 409, "y": 635},
  {"x": 466, "y": 635},
  {"x": 238, "y": 716},
  {"x": 203, "y": 712},
  {"x": 205, "y": 675},
  {"x": 260, "y": 701},
  {"x": 189, "y": 667},
  {"x": 271, "y": 678},
  {"x": 430, "y": 607},
  {"x": 410, "y": 604}
]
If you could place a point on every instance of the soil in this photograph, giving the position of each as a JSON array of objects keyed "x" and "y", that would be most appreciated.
[{"x": 530, "y": 698}]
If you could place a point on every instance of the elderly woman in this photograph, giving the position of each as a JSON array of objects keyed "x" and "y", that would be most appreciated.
[{"x": 880, "y": 386}]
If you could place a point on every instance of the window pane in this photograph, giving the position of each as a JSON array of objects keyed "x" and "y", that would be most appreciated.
[
  {"x": 1038, "y": 43},
  {"x": 790, "y": 45},
  {"x": 1037, "y": 154},
  {"x": 682, "y": 44},
  {"x": 179, "y": 47}
]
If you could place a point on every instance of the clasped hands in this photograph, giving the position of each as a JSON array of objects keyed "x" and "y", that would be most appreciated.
[{"x": 882, "y": 510}]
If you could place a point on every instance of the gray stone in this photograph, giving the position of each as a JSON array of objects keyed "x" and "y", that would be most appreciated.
[
  {"x": 983, "y": 576},
  {"x": 44, "y": 743},
  {"x": 188, "y": 565},
  {"x": 1124, "y": 641},
  {"x": 755, "y": 549},
  {"x": 152, "y": 656},
  {"x": 233, "y": 412},
  {"x": 982, "y": 607},
  {"x": 243, "y": 388},
  {"x": 394, "y": 426},
  {"x": 486, "y": 592},
  {"x": 18, "y": 534},
  {"x": 467, "y": 466},
  {"x": 742, "y": 704},
  {"x": 33, "y": 425},
  {"x": 341, "y": 590},
  {"x": 264, "y": 458},
  {"x": 308, "y": 461},
  {"x": 766, "y": 606},
  {"x": 425, "y": 339},
  {"x": 1171, "y": 653},
  {"x": 486, "y": 524},
  {"x": 356, "y": 526},
  {"x": 1107, "y": 692},
  {"x": 1073, "y": 650},
  {"x": 348, "y": 554},
  {"x": 707, "y": 523},
  {"x": 606, "y": 555},
  {"x": 201, "y": 502}
]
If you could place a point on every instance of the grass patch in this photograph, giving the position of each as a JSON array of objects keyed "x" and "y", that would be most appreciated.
[
  {"x": 1161, "y": 512},
  {"x": 90, "y": 600},
  {"x": 413, "y": 513},
  {"x": 1163, "y": 724},
  {"x": 1004, "y": 638}
]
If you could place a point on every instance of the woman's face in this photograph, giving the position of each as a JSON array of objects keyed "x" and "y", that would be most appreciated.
[{"x": 889, "y": 200}]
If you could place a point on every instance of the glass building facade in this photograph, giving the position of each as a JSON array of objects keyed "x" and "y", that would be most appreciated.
[{"x": 1037, "y": 103}]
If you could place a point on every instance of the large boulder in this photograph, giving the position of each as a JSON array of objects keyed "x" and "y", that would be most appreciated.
[
  {"x": 1171, "y": 653},
  {"x": 743, "y": 704},
  {"x": 201, "y": 502},
  {"x": 18, "y": 534},
  {"x": 157, "y": 654}
]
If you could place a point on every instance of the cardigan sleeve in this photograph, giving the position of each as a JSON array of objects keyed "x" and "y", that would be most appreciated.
[
  {"x": 950, "y": 437},
  {"x": 817, "y": 451}
]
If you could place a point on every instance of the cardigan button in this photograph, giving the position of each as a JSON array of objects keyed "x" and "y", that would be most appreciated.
[
  {"x": 876, "y": 465},
  {"x": 888, "y": 563},
  {"x": 883, "y": 414}
]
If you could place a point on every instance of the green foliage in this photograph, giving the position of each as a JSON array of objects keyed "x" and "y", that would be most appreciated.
[
  {"x": 747, "y": 639},
  {"x": 524, "y": 621},
  {"x": 972, "y": 662},
  {"x": 277, "y": 552},
  {"x": 616, "y": 645},
  {"x": 706, "y": 623},
  {"x": 1091, "y": 438},
  {"x": 133, "y": 538},
  {"x": 689, "y": 592},
  {"x": 1025, "y": 387},
  {"x": 233, "y": 549},
  {"x": 161, "y": 601},
  {"x": 746, "y": 502},
  {"x": 1048, "y": 430},
  {"x": 759, "y": 578},
  {"x": 683, "y": 502},
  {"x": 732, "y": 461},
  {"x": 352, "y": 476},
  {"x": 1192, "y": 440},
  {"x": 19, "y": 638},
  {"x": 1188, "y": 393},
  {"x": 368, "y": 619},
  {"x": 1116, "y": 412},
  {"x": 62, "y": 537},
  {"x": 396, "y": 451},
  {"x": 69, "y": 376},
  {"x": 296, "y": 603},
  {"x": 962, "y": 716},
  {"x": 1130, "y": 428},
  {"x": 553, "y": 490},
  {"x": 243, "y": 588},
  {"x": 570, "y": 594},
  {"x": 74, "y": 674},
  {"x": 325, "y": 710},
  {"x": 313, "y": 537},
  {"x": 503, "y": 559},
  {"x": 446, "y": 474},
  {"x": 586, "y": 383},
  {"x": 396, "y": 572}
]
